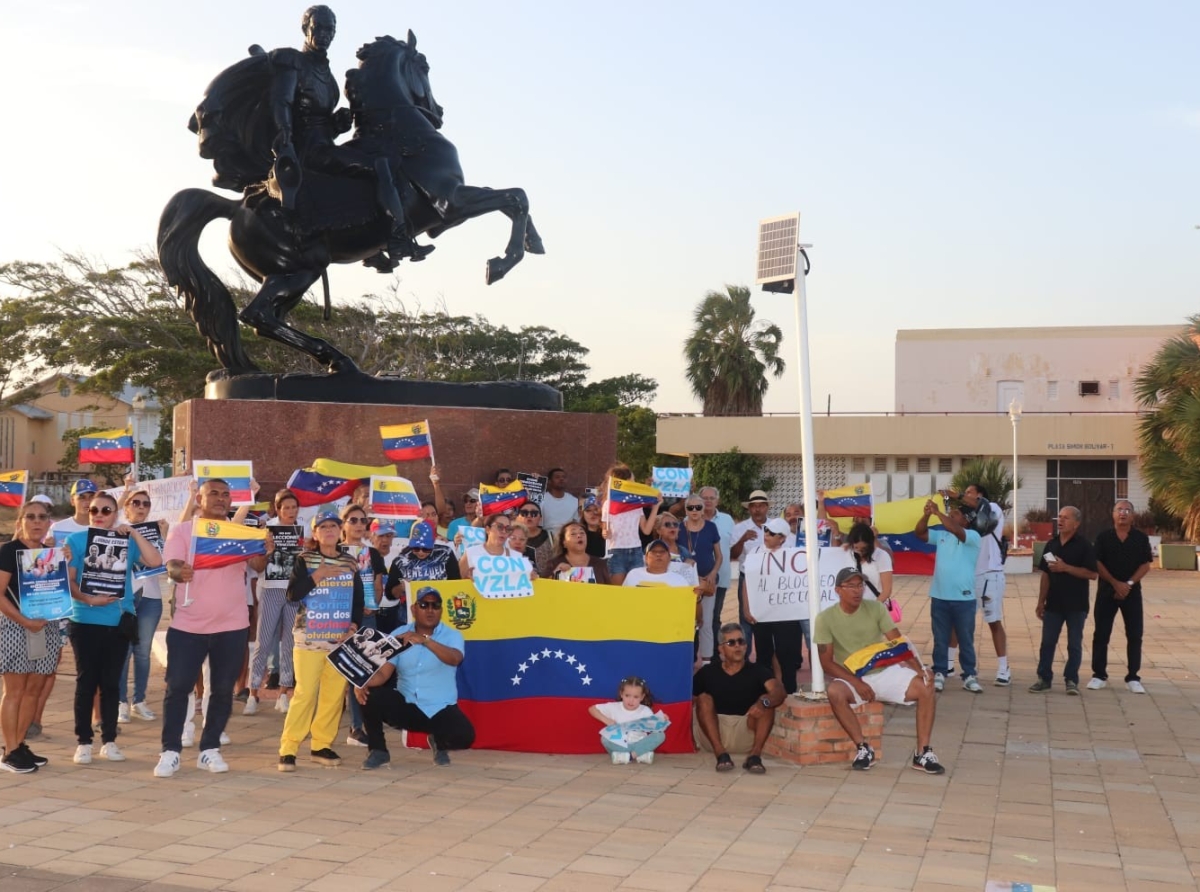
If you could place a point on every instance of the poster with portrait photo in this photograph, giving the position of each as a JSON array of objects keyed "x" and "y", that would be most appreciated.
[
  {"x": 359, "y": 656},
  {"x": 104, "y": 564},
  {"x": 289, "y": 540},
  {"x": 152, "y": 533},
  {"x": 42, "y": 584}
]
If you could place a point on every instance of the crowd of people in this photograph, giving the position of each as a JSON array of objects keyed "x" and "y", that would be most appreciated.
[{"x": 240, "y": 628}]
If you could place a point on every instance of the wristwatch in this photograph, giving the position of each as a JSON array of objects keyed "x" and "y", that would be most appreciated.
[{"x": 766, "y": 702}]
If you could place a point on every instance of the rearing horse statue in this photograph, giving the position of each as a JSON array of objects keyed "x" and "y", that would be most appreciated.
[{"x": 335, "y": 219}]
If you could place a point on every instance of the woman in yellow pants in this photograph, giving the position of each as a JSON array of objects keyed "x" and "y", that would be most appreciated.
[{"x": 330, "y": 591}]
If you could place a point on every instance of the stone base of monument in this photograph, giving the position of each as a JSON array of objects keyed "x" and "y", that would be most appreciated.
[
  {"x": 807, "y": 733},
  {"x": 470, "y": 444}
]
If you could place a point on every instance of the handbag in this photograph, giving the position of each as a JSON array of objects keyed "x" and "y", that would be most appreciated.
[{"x": 127, "y": 627}]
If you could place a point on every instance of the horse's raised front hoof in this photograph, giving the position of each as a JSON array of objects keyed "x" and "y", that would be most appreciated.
[
  {"x": 533, "y": 244},
  {"x": 496, "y": 268}
]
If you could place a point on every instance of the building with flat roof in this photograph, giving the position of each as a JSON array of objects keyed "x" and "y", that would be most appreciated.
[{"x": 1076, "y": 436}]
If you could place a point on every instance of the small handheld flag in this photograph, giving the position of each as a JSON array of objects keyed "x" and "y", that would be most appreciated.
[
  {"x": 236, "y": 473},
  {"x": 498, "y": 499},
  {"x": 849, "y": 501},
  {"x": 626, "y": 495},
  {"x": 407, "y": 442},
  {"x": 12, "y": 488},
  {"x": 393, "y": 497},
  {"x": 107, "y": 447},
  {"x": 217, "y": 543}
]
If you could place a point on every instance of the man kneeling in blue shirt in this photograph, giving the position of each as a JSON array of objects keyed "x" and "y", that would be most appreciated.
[{"x": 425, "y": 695}]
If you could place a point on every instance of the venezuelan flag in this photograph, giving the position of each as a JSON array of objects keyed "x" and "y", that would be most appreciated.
[
  {"x": 625, "y": 495},
  {"x": 328, "y": 480},
  {"x": 877, "y": 656},
  {"x": 896, "y": 522},
  {"x": 216, "y": 543},
  {"x": 849, "y": 501},
  {"x": 394, "y": 497},
  {"x": 406, "y": 442},
  {"x": 12, "y": 488},
  {"x": 236, "y": 474},
  {"x": 533, "y": 666},
  {"x": 107, "y": 447},
  {"x": 498, "y": 499}
]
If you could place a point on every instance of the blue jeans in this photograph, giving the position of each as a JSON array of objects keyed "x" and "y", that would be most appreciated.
[
  {"x": 622, "y": 560},
  {"x": 1052, "y": 624},
  {"x": 647, "y": 744},
  {"x": 149, "y": 612},
  {"x": 958, "y": 616},
  {"x": 186, "y": 652},
  {"x": 356, "y": 718}
]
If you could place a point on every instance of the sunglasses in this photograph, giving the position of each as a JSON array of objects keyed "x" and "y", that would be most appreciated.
[
  {"x": 670, "y": 526},
  {"x": 356, "y": 520},
  {"x": 734, "y": 642},
  {"x": 106, "y": 510},
  {"x": 531, "y": 513},
  {"x": 429, "y": 605},
  {"x": 37, "y": 516},
  {"x": 503, "y": 481},
  {"x": 501, "y": 529},
  {"x": 695, "y": 507},
  {"x": 140, "y": 503}
]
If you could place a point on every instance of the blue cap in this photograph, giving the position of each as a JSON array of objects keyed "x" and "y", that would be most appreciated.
[
  {"x": 590, "y": 502},
  {"x": 325, "y": 516},
  {"x": 81, "y": 486},
  {"x": 427, "y": 591},
  {"x": 383, "y": 527},
  {"x": 421, "y": 535}
]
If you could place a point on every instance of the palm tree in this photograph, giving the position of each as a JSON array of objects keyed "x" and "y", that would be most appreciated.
[
  {"x": 729, "y": 354},
  {"x": 1168, "y": 391}
]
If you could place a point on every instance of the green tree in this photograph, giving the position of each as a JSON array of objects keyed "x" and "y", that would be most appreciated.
[
  {"x": 729, "y": 354},
  {"x": 1168, "y": 392},
  {"x": 735, "y": 474},
  {"x": 989, "y": 473}
]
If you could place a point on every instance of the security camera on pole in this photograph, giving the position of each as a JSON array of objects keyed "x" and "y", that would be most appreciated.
[{"x": 783, "y": 267}]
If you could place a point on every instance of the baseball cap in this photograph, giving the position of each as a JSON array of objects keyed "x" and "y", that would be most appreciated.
[
  {"x": 421, "y": 536},
  {"x": 383, "y": 527},
  {"x": 657, "y": 543},
  {"x": 325, "y": 516},
  {"x": 43, "y": 498},
  {"x": 428, "y": 591},
  {"x": 82, "y": 486},
  {"x": 591, "y": 502},
  {"x": 778, "y": 526},
  {"x": 473, "y": 494},
  {"x": 846, "y": 574},
  {"x": 757, "y": 496}
]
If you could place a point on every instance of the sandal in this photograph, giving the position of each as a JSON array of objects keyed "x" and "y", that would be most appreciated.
[
  {"x": 724, "y": 762},
  {"x": 754, "y": 765}
]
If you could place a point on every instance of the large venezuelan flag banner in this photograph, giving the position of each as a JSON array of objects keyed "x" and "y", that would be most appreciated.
[
  {"x": 12, "y": 488},
  {"x": 533, "y": 666},
  {"x": 896, "y": 522},
  {"x": 107, "y": 447},
  {"x": 328, "y": 480}
]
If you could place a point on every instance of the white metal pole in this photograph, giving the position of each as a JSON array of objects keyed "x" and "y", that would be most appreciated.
[
  {"x": 809, "y": 469},
  {"x": 1015, "y": 414}
]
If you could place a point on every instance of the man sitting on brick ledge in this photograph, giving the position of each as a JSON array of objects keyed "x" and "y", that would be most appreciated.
[
  {"x": 735, "y": 703},
  {"x": 865, "y": 658}
]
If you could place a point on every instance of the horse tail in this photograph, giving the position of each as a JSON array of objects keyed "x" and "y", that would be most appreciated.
[{"x": 205, "y": 297}]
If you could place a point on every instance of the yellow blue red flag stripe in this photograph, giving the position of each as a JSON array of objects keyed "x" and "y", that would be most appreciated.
[
  {"x": 498, "y": 499},
  {"x": 394, "y": 497},
  {"x": 328, "y": 480},
  {"x": 107, "y": 447},
  {"x": 407, "y": 442},
  {"x": 626, "y": 495},
  {"x": 218, "y": 543},
  {"x": 12, "y": 488}
]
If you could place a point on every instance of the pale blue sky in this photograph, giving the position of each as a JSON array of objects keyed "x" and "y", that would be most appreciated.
[{"x": 955, "y": 164}]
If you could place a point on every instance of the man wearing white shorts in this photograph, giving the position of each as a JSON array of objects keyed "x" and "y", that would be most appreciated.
[
  {"x": 849, "y": 626},
  {"x": 989, "y": 572}
]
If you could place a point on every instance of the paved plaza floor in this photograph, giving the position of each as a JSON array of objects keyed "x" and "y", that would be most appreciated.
[{"x": 1097, "y": 792}]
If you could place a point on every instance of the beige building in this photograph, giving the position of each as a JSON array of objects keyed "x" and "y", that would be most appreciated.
[
  {"x": 1076, "y": 435},
  {"x": 31, "y": 431}
]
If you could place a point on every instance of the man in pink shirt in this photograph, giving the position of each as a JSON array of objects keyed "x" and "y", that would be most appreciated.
[{"x": 211, "y": 622}]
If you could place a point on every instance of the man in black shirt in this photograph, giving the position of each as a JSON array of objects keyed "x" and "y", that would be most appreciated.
[
  {"x": 735, "y": 703},
  {"x": 1068, "y": 565},
  {"x": 1123, "y": 557}
]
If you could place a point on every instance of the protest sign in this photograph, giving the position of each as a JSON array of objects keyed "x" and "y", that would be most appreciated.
[
  {"x": 362, "y": 556},
  {"x": 104, "y": 564},
  {"x": 42, "y": 583},
  {"x": 152, "y": 533},
  {"x": 777, "y": 584},
  {"x": 237, "y": 474},
  {"x": 167, "y": 496},
  {"x": 503, "y": 576},
  {"x": 359, "y": 656},
  {"x": 577, "y": 574},
  {"x": 673, "y": 483},
  {"x": 535, "y": 486},
  {"x": 289, "y": 542},
  {"x": 470, "y": 536},
  {"x": 327, "y": 609}
]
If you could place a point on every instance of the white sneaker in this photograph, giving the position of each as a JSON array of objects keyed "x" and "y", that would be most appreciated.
[
  {"x": 123, "y": 717},
  {"x": 939, "y": 681},
  {"x": 1135, "y": 686},
  {"x": 225, "y": 741},
  {"x": 168, "y": 764},
  {"x": 1096, "y": 684},
  {"x": 971, "y": 683},
  {"x": 646, "y": 758},
  {"x": 189, "y": 734},
  {"x": 144, "y": 712},
  {"x": 210, "y": 760},
  {"x": 251, "y": 707},
  {"x": 111, "y": 752},
  {"x": 83, "y": 754},
  {"x": 281, "y": 705},
  {"x": 620, "y": 758}
]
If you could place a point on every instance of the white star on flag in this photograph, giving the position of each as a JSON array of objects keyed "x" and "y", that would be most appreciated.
[
  {"x": 587, "y": 679},
  {"x": 571, "y": 659},
  {"x": 558, "y": 655},
  {"x": 522, "y": 667},
  {"x": 516, "y": 679},
  {"x": 546, "y": 653}
]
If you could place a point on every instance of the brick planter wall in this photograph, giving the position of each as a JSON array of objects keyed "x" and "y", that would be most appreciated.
[{"x": 807, "y": 733}]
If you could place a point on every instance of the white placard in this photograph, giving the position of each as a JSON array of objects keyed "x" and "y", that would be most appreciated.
[
  {"x": 167, "y": 497},
  {"x": 777, "y": 582},
  {"x": 673, "y": 483}
]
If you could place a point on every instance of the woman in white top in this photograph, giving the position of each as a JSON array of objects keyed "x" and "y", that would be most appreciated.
[
  {"x": 498, "y": 527},
  {"x": 873, "y": 562},
  {"x": 136, "y": 505}
]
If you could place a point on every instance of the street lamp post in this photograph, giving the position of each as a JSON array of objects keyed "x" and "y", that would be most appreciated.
[
  {"x": 1014, "y": 413},
  {"x": 138, "y": 405}
]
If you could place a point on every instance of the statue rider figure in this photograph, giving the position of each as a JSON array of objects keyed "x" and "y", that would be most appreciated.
[{"x": 304, "y": 96}]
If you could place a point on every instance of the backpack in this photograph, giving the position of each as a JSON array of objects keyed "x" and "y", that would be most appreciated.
[{"x": 1004, "y": 544}]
